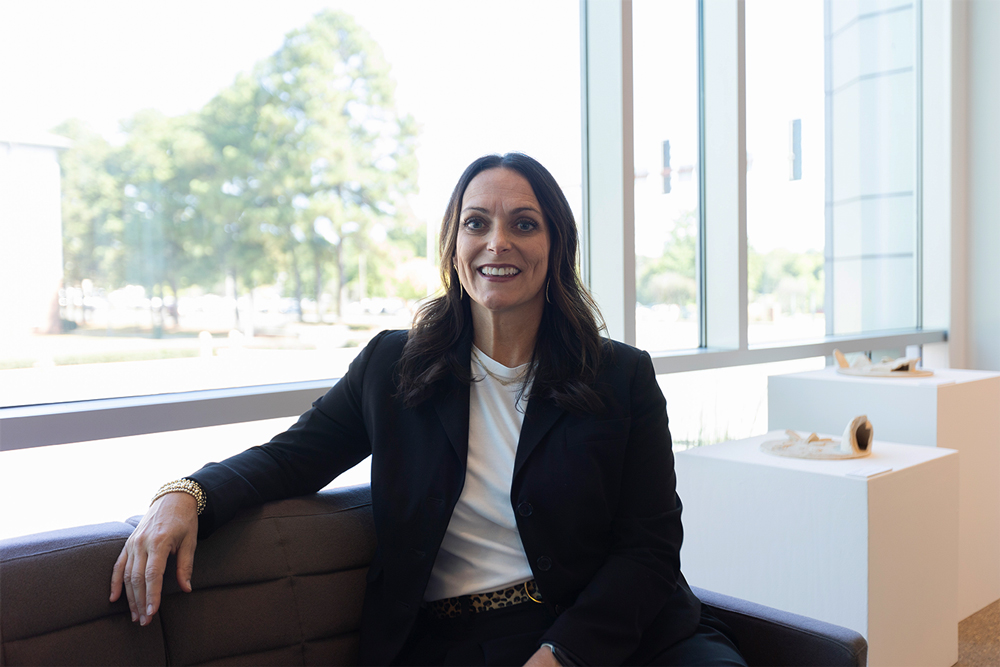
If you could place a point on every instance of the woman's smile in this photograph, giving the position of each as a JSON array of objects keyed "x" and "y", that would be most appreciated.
[{"x": 499, "y": 271}]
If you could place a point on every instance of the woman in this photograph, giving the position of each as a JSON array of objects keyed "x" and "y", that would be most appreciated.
[{"x": 522, "y": 474}]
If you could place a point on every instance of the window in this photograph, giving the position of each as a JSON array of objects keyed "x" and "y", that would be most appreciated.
[
  {"x": 789, "y": 264},
  {"x": 682, "y": 147},
  {"x": 244, "y": 211},
  {"x": 786, "y": 170},
  {"x": 666, "y": 146}
]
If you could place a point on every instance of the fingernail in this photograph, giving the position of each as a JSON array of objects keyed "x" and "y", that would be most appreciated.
[
  {"x": 142, "y": 620},
  {"x": 134, "y": 617},
  {"x": 149, "y": 609},
  {"x": 189, "y": 583}
]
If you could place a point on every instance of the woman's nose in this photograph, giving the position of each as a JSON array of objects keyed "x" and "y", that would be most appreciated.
[{"x": 498, "y": 241}]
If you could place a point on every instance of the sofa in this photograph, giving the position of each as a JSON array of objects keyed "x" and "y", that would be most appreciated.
[{"x": 281, "y": 584}]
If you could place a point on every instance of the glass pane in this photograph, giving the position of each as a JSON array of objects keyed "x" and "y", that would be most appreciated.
[
  {"x": 248, "y": 209},
  {"x": 59, "y": 480},
  {"x": 719, "y": 404},
  {"x": 665, "y": 131},
  {"x": 786, "y": 175},
  {"x": 831, "y": 180}
]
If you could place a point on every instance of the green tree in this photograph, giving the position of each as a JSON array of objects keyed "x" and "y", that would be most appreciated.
[
  {"x": 670, "y": 278},
  {"x": 794, "y": 280},
  {"x": 312, "y": 149},
  {"x": 169, "y": 243},
  {"x": 92, "y": 202}
]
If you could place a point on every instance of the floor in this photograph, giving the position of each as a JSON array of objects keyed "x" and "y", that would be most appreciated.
[{"x": 979, "y": 638}]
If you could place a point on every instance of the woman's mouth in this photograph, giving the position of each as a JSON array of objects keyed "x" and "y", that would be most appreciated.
[{"x": 501, "y": 271}]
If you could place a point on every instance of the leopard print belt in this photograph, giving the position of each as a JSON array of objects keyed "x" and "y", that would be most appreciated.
[{"x": 477, "y": 602}]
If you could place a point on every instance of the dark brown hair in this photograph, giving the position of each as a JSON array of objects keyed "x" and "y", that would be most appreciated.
[{"x": 569, "y": 347}]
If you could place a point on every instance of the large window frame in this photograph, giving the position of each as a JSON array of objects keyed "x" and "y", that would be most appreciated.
[
  {"x": 722, "y": 267},
  {"x": 606, "y": 76}
]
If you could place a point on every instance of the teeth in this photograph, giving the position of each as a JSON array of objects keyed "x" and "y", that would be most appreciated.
[{"x": 497, "y": 271}]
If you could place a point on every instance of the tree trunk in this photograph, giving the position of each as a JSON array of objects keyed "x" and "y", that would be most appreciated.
[
  {"x": 174, "y": 309},
  {"x": 318, "y": 286},
  {"x": 338, "y": 255},
  {"x": 235, "y": 294},
  {"x": 298, "y": 284}
]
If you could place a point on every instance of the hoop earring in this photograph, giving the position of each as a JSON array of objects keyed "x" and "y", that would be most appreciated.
[
  {"x": 461, "y": 294},
  {"x": 547, "y": 290}
]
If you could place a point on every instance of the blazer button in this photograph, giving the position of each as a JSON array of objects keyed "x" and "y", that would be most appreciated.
[
  {"x": 544, "y": 563},
  {"x": 525, "y": 509}
]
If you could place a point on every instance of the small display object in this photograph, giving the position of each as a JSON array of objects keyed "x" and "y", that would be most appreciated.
[
  {"x": 854, "y": 444},
  {"x": 903, "y": 367}
]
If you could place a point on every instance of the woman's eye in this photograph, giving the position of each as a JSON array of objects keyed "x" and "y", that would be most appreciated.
[
  {"x": 473, "y": 224},
  {"x": 526, "y": 225}
]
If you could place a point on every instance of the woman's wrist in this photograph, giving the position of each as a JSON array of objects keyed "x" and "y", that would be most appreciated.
[
  {"x": 558, "y": 654},
  {"x": 184, "y": 485}
]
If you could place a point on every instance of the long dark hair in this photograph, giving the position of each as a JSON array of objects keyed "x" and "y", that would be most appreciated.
[{"x": 569, "y": 347}]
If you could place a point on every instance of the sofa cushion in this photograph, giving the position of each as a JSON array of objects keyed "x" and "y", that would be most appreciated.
[
  {"x": 54, "y": 589},
  {"x": 281, "y": 584}
]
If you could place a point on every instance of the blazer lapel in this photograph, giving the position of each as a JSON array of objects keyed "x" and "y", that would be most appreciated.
[
  {"x": 452, "y": 406},
  {"x": 539, "y": 417}
]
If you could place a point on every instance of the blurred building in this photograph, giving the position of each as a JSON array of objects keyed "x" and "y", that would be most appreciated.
[{"x": 31, "y": 263}]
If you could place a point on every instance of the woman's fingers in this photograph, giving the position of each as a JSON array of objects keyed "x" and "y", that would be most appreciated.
[
  {"x": 118, "y": 575},
  {"x": 185, "y": 561},
  {"x": 135, "y": 579},
  {"x": 156, "y": 564}
]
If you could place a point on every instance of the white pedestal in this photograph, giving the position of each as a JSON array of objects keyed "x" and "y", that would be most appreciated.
[
  {"x": 957, "y": 409},
  {"x": 877, "y": 555}
]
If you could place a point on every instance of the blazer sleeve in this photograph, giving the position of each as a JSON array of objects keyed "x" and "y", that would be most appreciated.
[
  {"x": 639, "y": 581},
  {"x": 328, "y": 439}
]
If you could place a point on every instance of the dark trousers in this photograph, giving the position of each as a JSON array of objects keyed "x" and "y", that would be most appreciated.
[{"x": 510, "y": 636}]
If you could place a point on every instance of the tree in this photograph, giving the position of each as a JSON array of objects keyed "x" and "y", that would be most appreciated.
[
  {"x": 169, "y": 244},
  {"x": 312, "y": 148},
  {"x": 670, "y": 278},
  {"x": 92, "y": 200}
]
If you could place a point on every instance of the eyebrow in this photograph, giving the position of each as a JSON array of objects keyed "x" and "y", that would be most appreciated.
[{"x": 519, "y": 209}]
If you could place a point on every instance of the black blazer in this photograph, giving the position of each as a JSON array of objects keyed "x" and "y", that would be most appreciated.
[{"x": 593, "y": 496}]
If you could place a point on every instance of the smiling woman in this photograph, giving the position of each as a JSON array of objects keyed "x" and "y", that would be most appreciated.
[{"x": 538, "y": 499}]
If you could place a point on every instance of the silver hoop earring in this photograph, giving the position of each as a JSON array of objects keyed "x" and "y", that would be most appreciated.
[{"x": 547, "y": 291}]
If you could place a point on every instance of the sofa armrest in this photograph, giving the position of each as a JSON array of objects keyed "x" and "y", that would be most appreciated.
[{"x": 768, "y": 636}]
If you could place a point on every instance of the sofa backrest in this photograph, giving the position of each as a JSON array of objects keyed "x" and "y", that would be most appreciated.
[{"x": 280, "y": 584}]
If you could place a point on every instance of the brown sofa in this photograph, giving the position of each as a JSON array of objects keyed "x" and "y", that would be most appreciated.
[{"x": 279, "y": 585}]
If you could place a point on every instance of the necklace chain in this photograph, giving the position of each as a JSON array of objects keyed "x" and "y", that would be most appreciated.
[{"x": 502, "y": 380}]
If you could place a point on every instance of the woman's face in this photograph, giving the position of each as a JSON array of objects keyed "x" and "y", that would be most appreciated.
[{"x": 502, "y": 250}]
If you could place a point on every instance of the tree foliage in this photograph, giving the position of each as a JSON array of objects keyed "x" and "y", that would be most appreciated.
[
  {"x": 670, "y": 278},
  {"x": 288, "y": 171},
  {"x": 792, "y": 280}
]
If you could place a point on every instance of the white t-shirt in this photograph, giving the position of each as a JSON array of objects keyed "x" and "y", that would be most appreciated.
[{"x": 482, "y": 550}]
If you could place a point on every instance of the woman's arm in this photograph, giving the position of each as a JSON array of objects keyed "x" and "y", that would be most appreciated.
[{"x": 326, "y": 440}]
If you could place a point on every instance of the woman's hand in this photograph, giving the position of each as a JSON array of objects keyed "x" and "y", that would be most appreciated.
[
  {"x": 170, "y": 526},
  {"x": 542, "y": 658}
]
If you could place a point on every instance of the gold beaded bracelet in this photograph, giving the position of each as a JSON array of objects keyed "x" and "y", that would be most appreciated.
[{"x": 184, "y": 485}]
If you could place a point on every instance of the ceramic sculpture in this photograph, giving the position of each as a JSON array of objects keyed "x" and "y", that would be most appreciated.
[
  {"x": 855, "y": 443},
  {"x": 902, "y": 367}
]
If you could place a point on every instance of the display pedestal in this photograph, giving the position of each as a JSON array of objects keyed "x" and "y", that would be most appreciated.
[
  {"x": 875, "y": 554},
  {"x": 957, "y": 409}
]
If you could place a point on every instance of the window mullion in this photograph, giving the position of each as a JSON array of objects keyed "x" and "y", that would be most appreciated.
[
  {"x": 723, "y": 174},
  {"x": 609, "y": 164}
]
